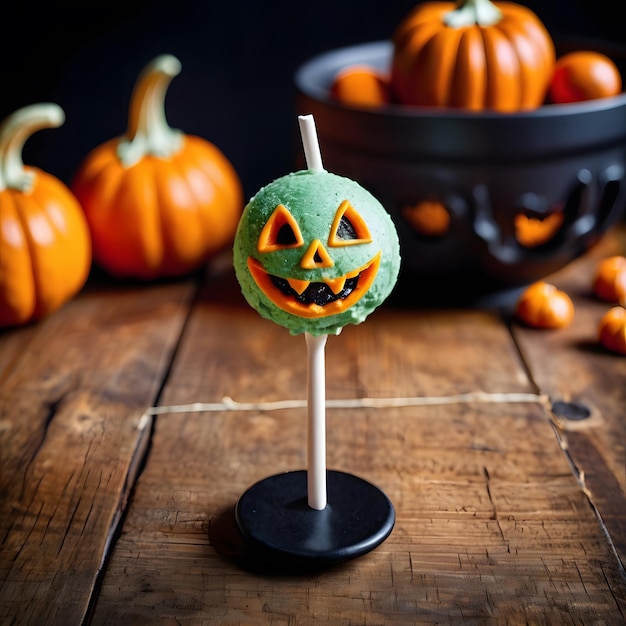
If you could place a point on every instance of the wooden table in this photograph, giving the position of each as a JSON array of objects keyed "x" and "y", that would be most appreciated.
[{"x": 133, "y": 419}]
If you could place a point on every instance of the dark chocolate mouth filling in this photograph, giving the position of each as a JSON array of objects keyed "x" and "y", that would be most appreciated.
[{"x": 318, "y": 293}]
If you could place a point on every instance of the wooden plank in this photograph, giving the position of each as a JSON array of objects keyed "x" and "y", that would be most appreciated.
[
  {"x": 13, "y": 343},
  {"x": 229, "y": 350},
  {"x": 492, "y": 526},
  {"x": 570, "y": 366},
  {"x": 73, "y": 390}
]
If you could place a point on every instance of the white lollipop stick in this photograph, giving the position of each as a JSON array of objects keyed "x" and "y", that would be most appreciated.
[
  {"x": 316, "y": 399},
  {"x": 309, "y": 140},
  {"x": 316, "y": 381}
]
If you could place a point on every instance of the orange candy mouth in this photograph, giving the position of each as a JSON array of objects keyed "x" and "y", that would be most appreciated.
[{"x": 311, "y": 299}]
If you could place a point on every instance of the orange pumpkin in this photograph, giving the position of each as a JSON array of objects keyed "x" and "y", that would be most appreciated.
[
  {"x": 584, "y": 75},
  {"x": 159, "y": 203},
  {"x": 609, "y": 282},
  {"x": 542, "y": 305},
  {"x": 361, "y": 85},
  {"x": 612, "y": 330},
  {"x": 45, "y": 247},
  {"x": 473, "y": 55}
]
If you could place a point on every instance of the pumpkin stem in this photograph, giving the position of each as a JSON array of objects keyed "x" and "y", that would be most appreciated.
[
  {"x": 470, "y": 12},
  {"x": 14, "y": 132},
  {"x": 148, "y": 131}
]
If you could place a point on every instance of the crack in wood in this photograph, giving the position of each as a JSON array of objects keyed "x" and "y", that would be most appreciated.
[
  {"x": 579, "y": 474},
  {"x": 494, "y": 508},
  {"x": 52, "y": 409}
]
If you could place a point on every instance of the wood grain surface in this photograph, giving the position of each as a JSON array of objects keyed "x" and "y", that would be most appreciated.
[{"x": 133, "y": 419}]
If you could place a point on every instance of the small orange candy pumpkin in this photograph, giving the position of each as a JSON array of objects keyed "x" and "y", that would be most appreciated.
[
  {"x": 472, "y": 54},
  {"x": 612, "y": 330},
  {"x": 542, "y": 305},
  {"x": 45, "y": 246},
  {"x": 159, "y": 203},
  {"x": 609, "y": 283}
]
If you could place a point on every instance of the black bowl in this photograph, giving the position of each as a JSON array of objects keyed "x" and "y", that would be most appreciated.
[{"x": 485, "y": 168}]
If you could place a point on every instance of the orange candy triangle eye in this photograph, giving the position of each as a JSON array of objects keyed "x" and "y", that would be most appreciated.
[
  {"x": 348, "y": 227},
  {"x": 280, "y": 232}
]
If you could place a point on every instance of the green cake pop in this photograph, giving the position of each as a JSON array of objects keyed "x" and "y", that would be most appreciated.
[{"x": 315, "y": 251}]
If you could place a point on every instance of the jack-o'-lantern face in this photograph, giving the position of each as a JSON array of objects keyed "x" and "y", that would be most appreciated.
[
  {"x": 321, "y": 291},
  {"x": 310, "y": 250}
]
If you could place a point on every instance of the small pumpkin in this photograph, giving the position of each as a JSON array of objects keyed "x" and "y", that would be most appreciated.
[
  {"x": 473, "y": 54},
  {"x": 159, "y": 203},
  {"x": 609, "y": 282},
  {"x": 542, "y": 305},
  {"x": 584, "y": 75},
  {"x": 45, "y": 246},
  {"x": 612, "y": 330},
  {"x": 361, "y": 85}
]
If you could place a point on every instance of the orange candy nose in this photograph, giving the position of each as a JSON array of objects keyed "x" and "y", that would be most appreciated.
[{"x": 316, "y": 256}]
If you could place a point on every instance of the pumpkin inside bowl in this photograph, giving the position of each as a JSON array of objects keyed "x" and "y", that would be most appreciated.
[{"x": 525, "y": 193}]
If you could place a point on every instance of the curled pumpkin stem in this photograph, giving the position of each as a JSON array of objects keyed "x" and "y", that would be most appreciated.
[
  {"x": 15, "y": 130},
  {"x": 469, "y": 12},
  {"x": 148, "y": 131}
]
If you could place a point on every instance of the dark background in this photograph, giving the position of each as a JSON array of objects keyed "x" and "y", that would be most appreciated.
[{"x": 238, "y": 61}]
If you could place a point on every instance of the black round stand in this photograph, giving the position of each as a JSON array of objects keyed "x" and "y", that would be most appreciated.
[{"x": 275, "y": 519}]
